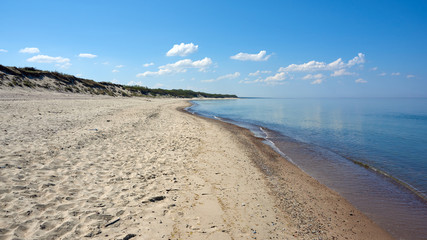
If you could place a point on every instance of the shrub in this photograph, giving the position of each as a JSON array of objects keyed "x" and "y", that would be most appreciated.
[{"x": 28, "y": 84}]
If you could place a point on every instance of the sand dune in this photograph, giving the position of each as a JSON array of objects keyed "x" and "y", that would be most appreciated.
[{"x": 77, "y": 167}]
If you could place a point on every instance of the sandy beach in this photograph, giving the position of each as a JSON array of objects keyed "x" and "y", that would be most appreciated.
[{"x": 80, "y": 167}]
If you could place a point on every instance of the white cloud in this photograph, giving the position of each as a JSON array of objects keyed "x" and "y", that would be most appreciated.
[
  {"x": 337, "y": 67},
  {"x": 337, "y": 64},
  {"x": 120, "y": 66},
  {"x": 246, "y": 81},
  {"x": 60, "y": 61},
  {"x": 87, "y": 55},
  {"x": 133, "y": 83},
  {"x": 359, "y": 59},
  {"x": 261, "y": 56},
  {"x": 318, "y": 78},
  {"x": 313, "y": 76},
  {"x": 64, "y": 65},
  {"x": 148, "y": 64},
  {"x": 305, "y": 67},
  {"x": 322, "y": 66},
  {"x": 47, "y": 59},
  {"x": 395, "y": 74},
  {"x": 374, "y": 69},
  {"x": 278, "y": 77},
  {"x": 106, "y": 63},
  {"x": 182, "y": 49},
  {"x": 179, "y": 67},
  {"x": 258, "y": 72},
  {"x": 115, "y": 71},
  {"x": 360, "y": 80},
  {"x": 209, "y": 80},
  {"x": 341, "y": 72},
  {"x": 317, "y": 81},
  {"x": 227, "y": 76},
  {"x": 150, "y": 73},
  {"x": 3, "y": 50},
  {"x": 410, "y": 76},
  {"x": 382, "y": 74},
  {"x": 29, "y": 50}
]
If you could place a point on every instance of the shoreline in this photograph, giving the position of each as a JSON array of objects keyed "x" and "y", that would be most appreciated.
[
  {"x": 417, "y": 204},
  {"x": 269, "y": 168},
  {"x": 74, "y": 167},
  {"x": 395, "y": 180},
  {"x": 387, "y": 202},
  {"x": 400, "y": 183}
]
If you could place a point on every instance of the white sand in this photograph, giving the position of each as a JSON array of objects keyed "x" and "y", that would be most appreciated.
[{"x": 78, "y": 167}]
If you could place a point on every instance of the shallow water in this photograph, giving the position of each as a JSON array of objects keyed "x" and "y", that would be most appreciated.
[{"x": 325, "y": 136}]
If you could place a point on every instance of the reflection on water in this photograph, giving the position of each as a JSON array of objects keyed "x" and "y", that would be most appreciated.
[{"x": 387, "y": 134}]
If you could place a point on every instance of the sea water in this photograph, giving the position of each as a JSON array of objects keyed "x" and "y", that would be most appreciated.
[{"x": 371, "y": 151}]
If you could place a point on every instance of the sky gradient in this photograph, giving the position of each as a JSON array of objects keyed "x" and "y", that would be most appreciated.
[{"x": 248, "y": 48}]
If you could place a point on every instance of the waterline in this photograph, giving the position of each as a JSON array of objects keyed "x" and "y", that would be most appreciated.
[{"x": 391, "y": 205}]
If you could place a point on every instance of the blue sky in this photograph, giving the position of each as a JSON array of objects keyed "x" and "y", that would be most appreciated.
[{"x": 249, "y": 48}]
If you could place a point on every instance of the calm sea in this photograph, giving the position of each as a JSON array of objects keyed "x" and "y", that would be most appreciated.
[{"x": 326, "y": 137}]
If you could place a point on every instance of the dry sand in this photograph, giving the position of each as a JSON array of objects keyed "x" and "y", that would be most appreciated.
[{"x": 80, "y": 167}]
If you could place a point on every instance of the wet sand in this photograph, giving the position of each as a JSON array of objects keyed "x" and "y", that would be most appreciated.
[
  {"x": 75, "y": 166},
  {"x": 392, "y": 206}
]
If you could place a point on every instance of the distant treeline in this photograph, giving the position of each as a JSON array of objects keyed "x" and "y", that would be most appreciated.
[
  {"x": 175, "y": 92},
  {"x": 32, "y": 78}
]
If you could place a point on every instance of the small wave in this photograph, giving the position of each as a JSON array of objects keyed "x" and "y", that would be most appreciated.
[
  {"x": 395, "y": 180},
  {"x": 265, "y": 132},
  {"x": 275, "y": 148}
]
